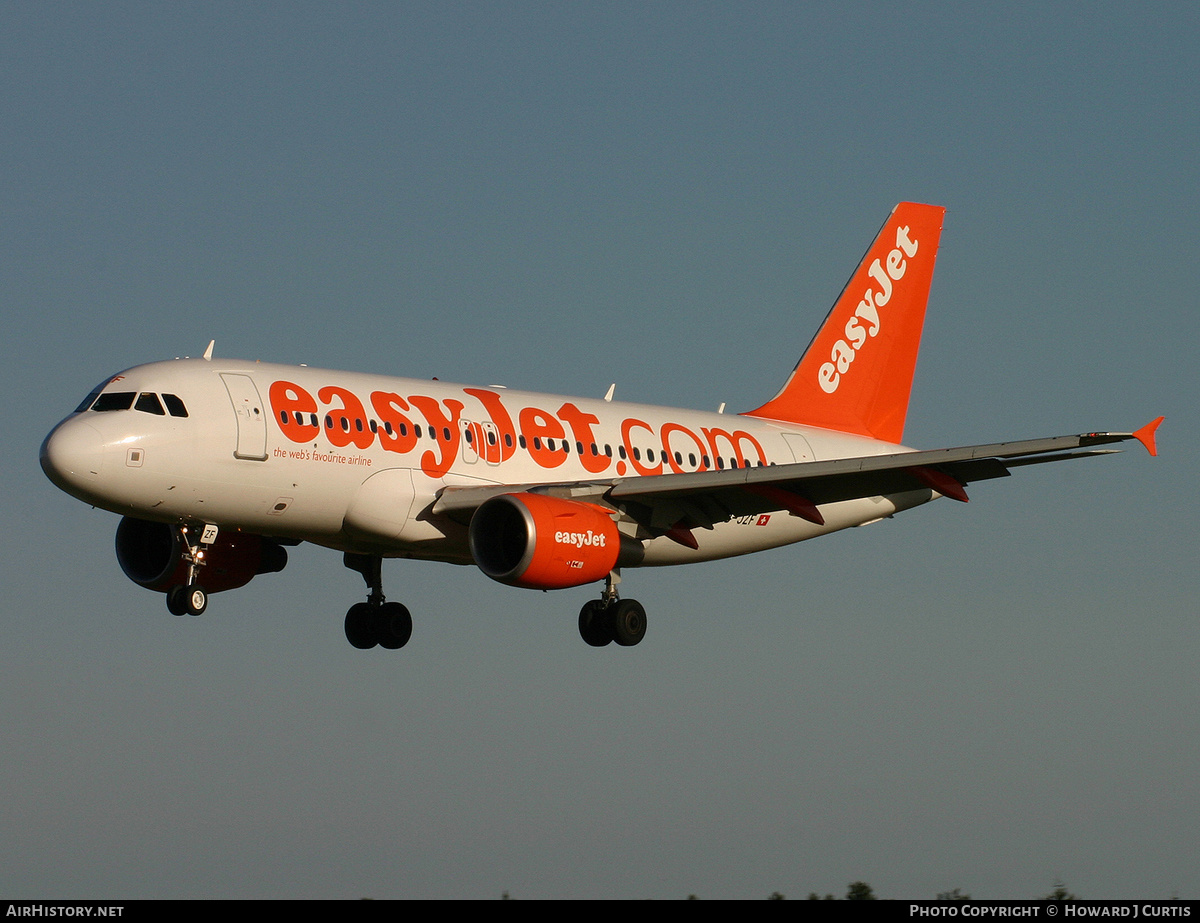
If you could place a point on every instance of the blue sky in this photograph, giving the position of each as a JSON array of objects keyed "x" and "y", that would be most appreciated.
[{"x": 668, "y": 196}]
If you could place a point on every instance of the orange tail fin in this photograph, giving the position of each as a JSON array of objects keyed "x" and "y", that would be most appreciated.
[{"x": 856, "y": 375}]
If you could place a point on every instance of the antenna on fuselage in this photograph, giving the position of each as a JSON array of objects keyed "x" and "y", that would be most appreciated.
[
  {"x": 208, "y": 352},
  {"x": 721, "y": 409},
  {"x": 611, "y": 389}
]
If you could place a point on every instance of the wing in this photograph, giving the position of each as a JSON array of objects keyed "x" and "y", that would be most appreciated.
[{"x": 673, "y": 504}]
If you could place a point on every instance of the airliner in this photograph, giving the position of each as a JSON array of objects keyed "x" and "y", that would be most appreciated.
[{"x": 218, "y": 466}]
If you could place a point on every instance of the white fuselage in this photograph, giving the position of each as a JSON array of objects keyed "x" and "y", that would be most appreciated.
[{"x": 355, "y": 462}]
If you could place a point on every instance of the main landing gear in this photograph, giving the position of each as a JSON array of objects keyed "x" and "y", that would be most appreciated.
[
  {"x": 191, "y": 598},
  {"x": 608, "y": 618},
  {"x": 375, "y": 622},
  {"x": 389, "y": 625}
]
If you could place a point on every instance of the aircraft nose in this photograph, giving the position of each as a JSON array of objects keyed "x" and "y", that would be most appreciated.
[{"x": 72, "y": 455}]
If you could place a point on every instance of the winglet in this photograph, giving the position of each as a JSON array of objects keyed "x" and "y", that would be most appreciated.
[{"x": 1145, "y": 435}]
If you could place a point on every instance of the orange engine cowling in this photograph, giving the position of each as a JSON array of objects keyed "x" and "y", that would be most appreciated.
[
  {"x": 543, "y": 543},
  {"x": 151, "y": 555}
]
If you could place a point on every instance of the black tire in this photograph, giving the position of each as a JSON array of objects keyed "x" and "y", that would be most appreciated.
[
  {"x": 176, "y": 601},
  {"x": 195, "y": 599},
  {"x": 393, "y": 626},
  {"x": 595, "y": 627},
  {"x": 628, "y": 622},
  {"x": 360, "y": 627}
]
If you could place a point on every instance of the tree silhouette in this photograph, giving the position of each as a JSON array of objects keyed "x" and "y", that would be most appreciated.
[
  {"x": 1060, "y": 893},
  {"x": 954, "y": 895}
]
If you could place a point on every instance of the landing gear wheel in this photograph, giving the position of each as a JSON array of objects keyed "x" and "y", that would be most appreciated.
[
  {"x": 595, "y": 627},
  {"x": 195, "y": 599},
  {"x": 187, "y": 600},
  {"x": 375, "y": 622},
  {"x": 360, "y": 627},
  {"x": 628, "y": 622},
  {"x": 177, "y": 601},
  {"x": 393, "y": 626}
]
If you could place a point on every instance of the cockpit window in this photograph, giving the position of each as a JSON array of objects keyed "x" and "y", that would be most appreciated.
[
  {"x": 174, "y": 405},
  {"x": 87, "y": 401},
  {"x": 114, "y": 400},
  {"x": 148, "y": 402}
]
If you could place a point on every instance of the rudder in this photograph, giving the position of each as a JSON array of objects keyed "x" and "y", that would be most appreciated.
[{"x": 856, "y": 375}]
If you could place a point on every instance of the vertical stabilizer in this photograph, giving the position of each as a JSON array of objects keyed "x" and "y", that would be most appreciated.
[{"x": 856, "y": 375}]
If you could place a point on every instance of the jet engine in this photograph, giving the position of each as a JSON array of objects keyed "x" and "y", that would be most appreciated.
[
  {"x": 151, "y": 555},
  {"x": 547, "y": 543}
]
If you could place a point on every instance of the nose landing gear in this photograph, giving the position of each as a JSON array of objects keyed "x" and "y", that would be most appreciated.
[
  {"x": 187, "y": 600},
  {"x": 191, "y": 598}
]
